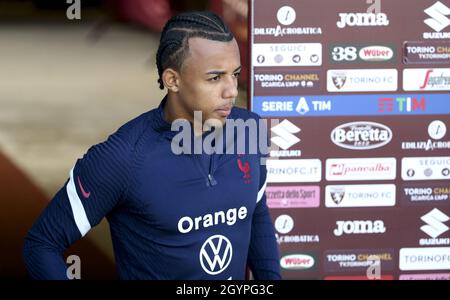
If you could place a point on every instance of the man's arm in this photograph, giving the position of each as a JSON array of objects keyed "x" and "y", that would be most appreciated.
[
  {"x": 263, "y": 255},
  {"x": 96, "y": 184},
  {"x": 53, "y": 232}
]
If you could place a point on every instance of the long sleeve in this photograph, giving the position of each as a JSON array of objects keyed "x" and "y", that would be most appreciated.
[
  {"x": 263, "y": 253},
  {"x": 96, "y": 184},
  {"x": 53, "y": 232}
]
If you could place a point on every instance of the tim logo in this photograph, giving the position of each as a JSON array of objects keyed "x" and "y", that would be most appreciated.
[
  {"x": 435, "y": 223},
  {"x": 216, "y": 254},
  {"x": 245, "y": 168}
]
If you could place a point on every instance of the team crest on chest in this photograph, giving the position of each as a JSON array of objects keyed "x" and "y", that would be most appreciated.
[{"x": 244, "y": 167}]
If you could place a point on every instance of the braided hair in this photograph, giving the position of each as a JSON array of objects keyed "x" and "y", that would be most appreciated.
[{"x": 174, "y": 41}]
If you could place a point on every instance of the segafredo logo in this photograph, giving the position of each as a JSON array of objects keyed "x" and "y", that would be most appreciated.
[
  {"x": 361, "y": 135},
  {"x": 297, "y": 262}
]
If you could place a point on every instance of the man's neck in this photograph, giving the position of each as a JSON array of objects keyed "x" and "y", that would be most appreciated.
[{"x": 173, "y": 111}]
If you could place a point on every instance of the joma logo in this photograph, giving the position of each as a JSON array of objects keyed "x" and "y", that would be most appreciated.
[
  {"x": 362, "y": 19},
  {"x": 359, "y": 227}
]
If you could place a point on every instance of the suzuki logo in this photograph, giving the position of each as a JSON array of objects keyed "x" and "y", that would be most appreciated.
[
  {"x": 438, "y": 13},
  {"x": 435, "y": 220},
  {"x": 216, "y": 254},
  {"x": 285, "y": 131}
]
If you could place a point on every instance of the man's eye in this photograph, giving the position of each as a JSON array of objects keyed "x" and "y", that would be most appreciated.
[
  {"x": 237, "y": 74},
  {"x": 215, "y": 78}
]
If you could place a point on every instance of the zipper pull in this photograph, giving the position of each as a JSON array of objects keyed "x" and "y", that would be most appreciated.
[{"x": 211, "y": 180}]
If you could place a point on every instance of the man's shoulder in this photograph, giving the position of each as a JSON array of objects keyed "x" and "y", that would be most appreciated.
[
  {"x": 135, "y": 128},
  {"x": 244, "y": 114}
]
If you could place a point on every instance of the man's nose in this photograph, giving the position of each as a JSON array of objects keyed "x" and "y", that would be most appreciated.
[{"x": 230, "y": 90}]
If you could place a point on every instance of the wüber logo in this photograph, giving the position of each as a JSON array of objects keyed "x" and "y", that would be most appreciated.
[
  {"x": 297, "y": 262},
  {"x": 347, "y": 53},
  {"x": 359, "y": 227},
  {"x": 376, "y": 53},
  {"x": 361, "y": 135},
  {"x": 362, "y": 19}
]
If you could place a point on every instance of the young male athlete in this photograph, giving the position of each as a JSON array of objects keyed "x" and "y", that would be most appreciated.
[{"x": 171, "y": 215}]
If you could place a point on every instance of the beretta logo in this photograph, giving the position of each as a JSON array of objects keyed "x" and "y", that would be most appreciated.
[{"x": 361, "y": 135}]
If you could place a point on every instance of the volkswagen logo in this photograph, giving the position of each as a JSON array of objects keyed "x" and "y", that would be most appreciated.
[{"x": 216, "y": 254}]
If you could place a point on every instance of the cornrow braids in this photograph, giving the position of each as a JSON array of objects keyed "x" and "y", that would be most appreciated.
[{"x": 174, "y": 42}]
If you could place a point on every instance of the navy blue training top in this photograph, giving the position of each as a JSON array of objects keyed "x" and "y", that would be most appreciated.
[{"x": 172, "y": 216}]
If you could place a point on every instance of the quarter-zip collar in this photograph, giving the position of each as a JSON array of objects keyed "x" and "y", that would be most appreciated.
[{"x": 160, "y": 125}]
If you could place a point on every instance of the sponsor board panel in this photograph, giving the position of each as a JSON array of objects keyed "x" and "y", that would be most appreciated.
[
  {"x": 353, "y": 169},
  {"x": 429, "y": 276},
  {"x": 426, "y": 79},
  {"x": 362, "y": 80},
  {"x": 293, "y": 196},
  {"x": 363, "y": 195},
  {"x": 361, "y": 53},
  {"x": 425, "y": 194},
  {"x": 361, "y": 135},
  {"x": 298, "y": 261},
  {"x": 430, "y": 258},
  {"x": 422, "y": 226},
  {"x": 294, "y": 170},
  {"x": 292, "y": 230},
  {"x": 285, "y": 81},
  {"x": 430, "y": 136},
  {"x": 358, "y": 260},
  {"x": 351, "y": 105},
  {"x": 426, "y": 52},
  {"x": 426, "y": 168},
  {"x": 287, "y": 55},
  {"x": 399, "y": 106},
  {"x": 359, "y": 277}
]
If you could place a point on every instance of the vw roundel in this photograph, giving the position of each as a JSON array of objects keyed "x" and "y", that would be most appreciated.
[
  {"x": 361, "y": 135},
  {"x": 297, "y": 262}
]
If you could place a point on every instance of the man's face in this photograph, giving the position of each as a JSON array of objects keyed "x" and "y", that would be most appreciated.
[{"x": 209, "y": 78}]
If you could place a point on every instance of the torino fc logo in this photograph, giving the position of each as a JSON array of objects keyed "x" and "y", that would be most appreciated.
[{"x": 216, "y": 254}]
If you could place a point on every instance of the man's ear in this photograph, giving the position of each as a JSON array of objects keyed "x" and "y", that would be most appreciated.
[{"x": 170, "y": 78}]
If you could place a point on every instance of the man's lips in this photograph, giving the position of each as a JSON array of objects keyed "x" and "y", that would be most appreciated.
[{"x": 224, "y": 110}]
